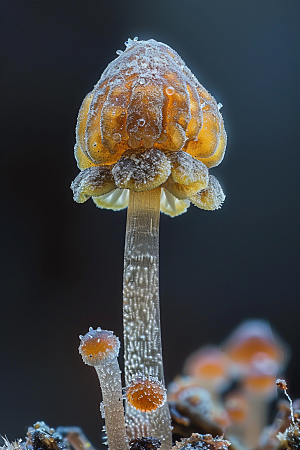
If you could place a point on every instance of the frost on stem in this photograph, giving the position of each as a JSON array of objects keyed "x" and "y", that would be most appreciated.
[
  {"x": 141, "y": 313},
  {"x": 100, "y": 348}
]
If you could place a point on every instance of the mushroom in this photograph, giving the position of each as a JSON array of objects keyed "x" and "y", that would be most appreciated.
[
  {"x": 258, "y": 385},
  {"x": 211, "y": 367},
  {"x": 257, "y": 355},
  {"x": 100, "y": 348},
  {"x": 187, "y": 389},
  {"x": 254, "y": 337},
  {"x": 146, "y": 136},
  {"x": 236, "y": 407}
]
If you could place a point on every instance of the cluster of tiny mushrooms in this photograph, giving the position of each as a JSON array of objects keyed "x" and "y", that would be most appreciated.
[{"x": 146, "y": 136}]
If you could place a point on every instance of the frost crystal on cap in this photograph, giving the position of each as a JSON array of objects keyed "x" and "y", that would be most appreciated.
[
  {"x": 92, "y": 182},
  {"x": 210, "y": 198},
  {"x": 142, "y": 171}
]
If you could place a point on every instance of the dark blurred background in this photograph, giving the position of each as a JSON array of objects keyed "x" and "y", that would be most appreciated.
[{"x": 61, "y": 263}]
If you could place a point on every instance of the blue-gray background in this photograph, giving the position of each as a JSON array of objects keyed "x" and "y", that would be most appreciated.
[{"x": 61, "y": 263}]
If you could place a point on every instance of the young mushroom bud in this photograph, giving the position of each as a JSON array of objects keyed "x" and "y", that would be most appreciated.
[
  {"x": 211, "y": 367},
  {"x": 100, "y": 348}
]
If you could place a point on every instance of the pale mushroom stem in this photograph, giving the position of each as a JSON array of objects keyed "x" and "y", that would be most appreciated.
[
  {"x": 141, "y": 314},
  {"x": 258, "y": 406},
  {"x": 110, "y": 382}
]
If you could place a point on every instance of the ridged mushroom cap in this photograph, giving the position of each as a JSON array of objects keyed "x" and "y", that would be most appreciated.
[{"x": 148, "y": 121}]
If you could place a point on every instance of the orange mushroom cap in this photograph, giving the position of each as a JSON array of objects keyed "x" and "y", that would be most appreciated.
[
  {"x": 260, "y": 376},
  {"x": 260, "y": 384},
  {"x": 210, "y": 365},
  {"x": 254, "y": 340},
  {"x": 146, "y": 394},
  {"x": 147, "y": 97},
  {"x": 146, "y": 106},
  {"x": 189, "y": 390},
  {"x": 236, "y": 406},
  {"x": 98, "y": 345}
]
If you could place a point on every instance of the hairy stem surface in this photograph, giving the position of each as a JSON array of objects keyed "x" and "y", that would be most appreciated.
[
  {"x": 141, "y": 316},
  {"x": 110, "y": 382}
]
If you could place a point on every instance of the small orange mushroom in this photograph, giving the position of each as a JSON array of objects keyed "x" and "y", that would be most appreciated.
[
  {"x": 254, "y": 342},
  {"x": 188, "y": 389},
  {"x": 100, "y": 348},
  {"x": 146, "y": 394},
  {"x": 256, "y": 353},
  {"x": 210, "y": 366},
  {"x": 236, "y": 406},
  {"x": 97, "y": 345},
  {"x": 281, "y": 384},
  {"x": 261, "y": 375}
]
